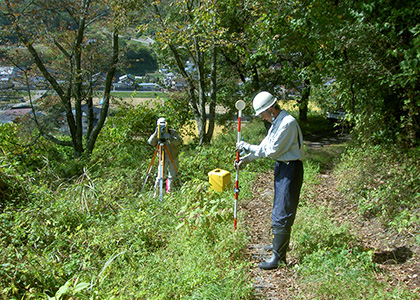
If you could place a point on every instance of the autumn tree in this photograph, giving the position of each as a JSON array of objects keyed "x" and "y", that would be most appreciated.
[{"x": 71, "y": 43}]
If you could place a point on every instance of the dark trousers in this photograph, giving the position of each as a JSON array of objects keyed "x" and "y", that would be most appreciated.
[{"x": 288, "y": 178}]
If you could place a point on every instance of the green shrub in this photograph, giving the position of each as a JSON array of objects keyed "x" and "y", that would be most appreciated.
[
  {"x": 208, "y": 159},
  {"x": 12, "y": 189},
  {"x": 332, "y": 264},
  {"x": 314, "y": 231},
  {"x": 345, "y": 273},
  {"x": 195, "y": 268},
  {"x": 384, "y": 181},
  {"x": 203, "y": 208}
]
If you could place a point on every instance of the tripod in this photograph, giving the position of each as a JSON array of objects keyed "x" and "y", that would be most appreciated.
[{"x": 161, "y": 149}]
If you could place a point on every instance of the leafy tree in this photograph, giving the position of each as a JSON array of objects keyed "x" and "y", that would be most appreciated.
[
  {"x": 244, "y": 50},
  {"x": 81, "y": 40},
  {"x": 138, "y": 59},
  {"x": 291, "y": 40},
  {"x": 371, "y": 49},
  {"x": 244, "y": 69},
  {"x": 390, "y": 39},
  {"x": 272, "y": 45},
  {"x": 187, "y": 40},
  {"x": 186, "y": 32}
]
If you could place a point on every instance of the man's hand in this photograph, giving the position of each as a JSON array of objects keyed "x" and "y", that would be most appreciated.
[
  {"x": 239, "y": 165},
  {"x": 164, "y": 138},
  {"x": 243, "y": 146}
]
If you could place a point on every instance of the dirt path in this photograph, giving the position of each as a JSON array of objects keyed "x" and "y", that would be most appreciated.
[
  {"x": 397, "y": 255},
  {"x": 275, "y": 284}
]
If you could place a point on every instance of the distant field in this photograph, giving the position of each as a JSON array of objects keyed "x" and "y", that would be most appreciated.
[
  {"x": 128, "y": 94},
  {"x": 133, "y": 97}
]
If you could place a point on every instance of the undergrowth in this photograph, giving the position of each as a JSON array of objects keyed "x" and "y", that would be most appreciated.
[
  {"x": 384, "y": 182},
  {"x": 99, "y": 239},
  {"x": 333, "y": 264},
  {"x": 95, "y": 234}
]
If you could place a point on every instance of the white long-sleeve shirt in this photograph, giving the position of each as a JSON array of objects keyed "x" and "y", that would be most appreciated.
[{"x": 284, "y": 140}]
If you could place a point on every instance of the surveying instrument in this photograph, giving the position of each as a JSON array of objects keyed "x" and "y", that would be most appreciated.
[
  {"x": 162, "y": 151},
  {"x": 240, "y": 105}
]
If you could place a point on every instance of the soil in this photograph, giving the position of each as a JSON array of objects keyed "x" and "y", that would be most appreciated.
[{"x": 396, "y": 254}]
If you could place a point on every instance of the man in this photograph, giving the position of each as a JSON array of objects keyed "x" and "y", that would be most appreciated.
[
  {"x": 168, "y": 139},
  {"x": 284, "y": 144}
]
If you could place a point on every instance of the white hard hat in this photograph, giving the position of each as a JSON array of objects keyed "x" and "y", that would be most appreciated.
[
  {"x": 161, "y": 121},
  {"x": 263, "y": 101}
]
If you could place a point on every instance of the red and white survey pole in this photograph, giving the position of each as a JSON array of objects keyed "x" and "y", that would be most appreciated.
[{"x": 240, "y": 105}]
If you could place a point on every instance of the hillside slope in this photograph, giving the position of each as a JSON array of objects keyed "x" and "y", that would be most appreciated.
[{"x": 396, "y": 256}]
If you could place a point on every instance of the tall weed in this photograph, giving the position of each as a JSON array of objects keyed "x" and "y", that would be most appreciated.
[
  {"x": 332, "y": 264},
  {"x": 195, "y": 268},
  {"x": 345, "y": 273},
  {"x": 384, "y": 182}
]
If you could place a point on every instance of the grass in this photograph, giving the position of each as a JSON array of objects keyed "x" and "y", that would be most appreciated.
[
  {"x": 325, "y": 157},
  {"x": 387, "y": 186},
  {"x": 123, "y": 245},
  {"x": 333, "y": 263},
  {"x": 96, "y": 237},
  {"x": 135, "y": 94}
]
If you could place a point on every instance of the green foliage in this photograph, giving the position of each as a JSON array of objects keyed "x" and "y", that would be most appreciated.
[
  {"x": 123, "y": 141},
  {"x": 321, "y": 235},
  {"x": 381, "y": 77},
  {"x": 324, "y": 157},
  {"x": 36, "y": 157},
  {"x": 96, "y": 237},
  {"x": 383, "y": 181},
  {"x": 194, "y": 268},
  {"x": 203, "y": 209},
  {"x": 332, "y": 264},
  {"x": 12, "y": 147},
  {"x": 72, "y": 77},
  {"x": 77, "y": 227},
  {"x": 71, "y": 288},
  {"x": 311, "y": 177},
  {"x": 208, "y": 158},
  {"x": 138, "y": 60},
  {"x": 178, "y": 113},
  {"x": 12, "y": 189},
  {"x": 346, "y": 273}
]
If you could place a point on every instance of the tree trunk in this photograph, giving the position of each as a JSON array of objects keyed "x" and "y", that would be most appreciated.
[
  {"x": 106, "y": 96},
  {"x": 304, "y": 101},
  {"x": 78, "y": 88},
  {"x": 213, "y": 94},
  {"x": 202, "y": 118}
]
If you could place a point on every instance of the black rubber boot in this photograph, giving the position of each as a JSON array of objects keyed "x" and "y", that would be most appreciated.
[{"x": 281, "y": 239}]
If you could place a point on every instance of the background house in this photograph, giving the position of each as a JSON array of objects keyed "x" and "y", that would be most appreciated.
[{"x": 7, "y": 77}]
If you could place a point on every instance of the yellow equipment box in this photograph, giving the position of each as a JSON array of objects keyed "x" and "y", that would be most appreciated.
[{"x": 219, "y": 180}]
